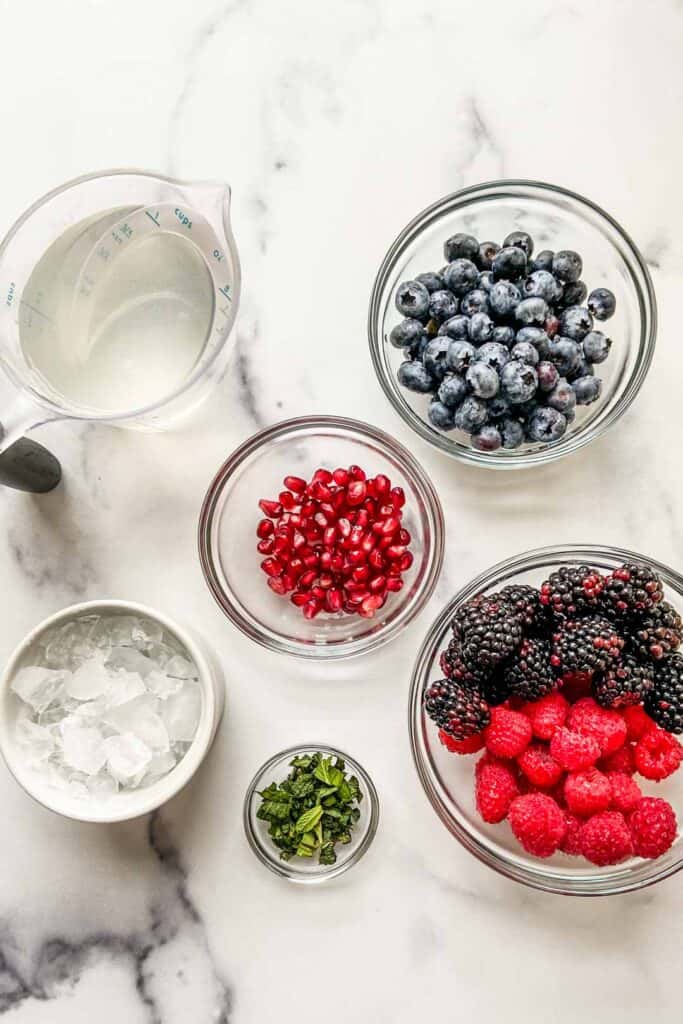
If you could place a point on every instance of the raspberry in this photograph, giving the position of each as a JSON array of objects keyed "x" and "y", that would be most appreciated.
[
  {"x": 539, "y": 767},
  {"x": 495, "y": 789},
  {"x": 605, "y": 839},
  {"x": 622, "y": 760},
  {"x": 546, "y": 715},
  {"x": 508, "y": 734},
  {"x": 638, "y": 722},
  {"x": 538, "y": 823},
  {"x": 570, "y": 844},
  {"x": 607, "y": 727},
  {"x": 587, "y": 792},
  {"x": 653, "y": 827},
  {"x": 573, "y": 751},
  {"x": 467, "y": 746},
  {"x": 625, "y": 792},
  {"x": 658, "y": 754}
]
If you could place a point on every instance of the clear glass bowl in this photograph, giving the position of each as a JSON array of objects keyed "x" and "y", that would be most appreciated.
[
  {"x": 230, "y": 513},
  {"x": 556, "y": 219},
  {"x": 448, "y": 779},
  {"x": 301, "y": 869}
]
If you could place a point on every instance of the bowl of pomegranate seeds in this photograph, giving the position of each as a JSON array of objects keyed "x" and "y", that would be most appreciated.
[
  {"x": 321, "y": 537},
  {"x": 546, "y": 719}
]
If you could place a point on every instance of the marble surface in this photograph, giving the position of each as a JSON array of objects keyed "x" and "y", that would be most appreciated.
[{"x": 334, "y": 125}]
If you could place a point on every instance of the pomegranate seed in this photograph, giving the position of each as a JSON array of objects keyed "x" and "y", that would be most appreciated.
[
  {"x": 307, "y": 578},
  {"x": 371, "y": 604},
  {"x": 357, "y": 556},
  {"x": 362, "y": 517},
  {"x": 313, "y": 535},
  {"x": 300, "y": 598},
  {"x": 341, "y": 477},
  {"x": 318, "y": 593},
  {"x": 329, "y": 536},
  {"x": 326, "y": 580},
  {"x": 361, "y": 574},
  {"x": 320, "y": 492},
  {"x": 398, "y": 498},
  {"x": 337, "y": 563},
  {"x": 295, "y": 483},
  {"x": 356, "y": 492},
  {"x": 265, "y": 547},
  {"x": 310, "y": 559},
  {"x": 312, "y": 608},
  {"x": 321, "y": 519},
  {"x": 326, "y": 560},
  {"x": 391, "y": 525},
  {"x": 385, "y": 542},
  {"x": 280, "y": 545},
  {"x": 378, "y": 585},
  {"x": 368, "y": 542},
  {"x": 272, "y": 509},
  {"x": 272, "y": 567},
  {"x": 406, "y": 561},
  {"x": 296, "y": 520},
  {"x": 382, "y": 484},
  {"x": 394, "y": 584},
  {"x": 308, "y": 509},
  {"x": 322, "y": 475},
  {"x": 276, "y": 584},
  {"x": 356, "y": 473},
  {"x": 298, "y": 540},
  {"x": 376, "y": 559},
  {"x": 396, "y": 551},
  {"x": 356, "y": 535},
  {"x": 296, "y": 566},
  {"x": 287, "y": 500},
  {"x": 344, "y": 527},
  {"x": 386, "y": 510},
  {"x": 404, "y": 537},
  {"x": 328, "y": 508},
  {"x": 370, "y": 507},
  {"x": 334, "y": 600},
  {"x": 352, "y": 587},
  {"x": 288, "y": 581},
  {"x": 264, "y": 529}
]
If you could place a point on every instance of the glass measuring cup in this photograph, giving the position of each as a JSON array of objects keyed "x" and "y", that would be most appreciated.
[{"x": 118, "y": 292}]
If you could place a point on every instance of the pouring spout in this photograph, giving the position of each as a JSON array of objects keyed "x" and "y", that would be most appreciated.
[{"x": 24, "y": 464}]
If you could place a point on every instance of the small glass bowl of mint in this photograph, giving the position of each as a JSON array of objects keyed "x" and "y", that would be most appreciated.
[{"x": 310, "y": 813}]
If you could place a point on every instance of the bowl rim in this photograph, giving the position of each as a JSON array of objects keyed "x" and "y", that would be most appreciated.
[
  {"x": 574, "y": 442},
  {"x": 325, "y": 872},
  {"x": 157, "y": 793},
  {"x": 553, "y": 881},
  {"x": 289, "y": 428}
]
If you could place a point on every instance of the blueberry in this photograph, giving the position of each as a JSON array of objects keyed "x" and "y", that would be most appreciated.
[
  {"x": 526, "y": 409},
  {"x": 440, "y": 416},
  {"x": 567, "y": 266},
  {"x": 525, "y": 352},
  {"x": 487, "y": 439},
  {"x": 534, "y": 336},
  {"x": 486, "y": 254},
  {"x": 416, "y": 350},
  {"x": 415, "y": 377},
  {"x": 460, "y": 354},
  {"x": 493, "y": 354},
  {"x": 461, "y": 247},
  {"x": 512, "y": 433},
  {"x": 574, "y": 294},
  {"x": 406, "y": 333},
  {"x": 548, "y": 376},
  {"x": 503, "y": 298},
  {"x": 485, "y": 281},
  {"x": 412, "y": 300},
  {"x": 551, "y": 325},
  {"x": 587, "y": 390},
  {"x": 531, "y": 311},
  {"x": 518, "y": 381},
  {"x": 509, "y": 264},
  {"x": 584, "y": 369},
  {"x": 482, "y": 380},
  {"x": 575, "y": 323},
  {"x": 452, "y": 390},
  {"x": 434, "y": 357},
  {"x": 542, "y": 284},
  {"x": 432, "y": 282},
  {"x": 499, "y": 408},
  {"x": 602, "y": 303},
  {"x": 546, "y": 425},
  {"x": 504, "y": 335},
  {"x": 471, "y": 414},
  {"x": 521, "y": 240},
  {"x": 476, "y": 301},
  {"x": 442, "y": 305},
  {"x": 481, "y": 328},
  {"x": 543, "y": 260},
  {"x": 566, "y": 354},
  {"x": 461, "y": 276},
  {"x": 457, "y": 327},
  {"x": 562, "y": 396}
]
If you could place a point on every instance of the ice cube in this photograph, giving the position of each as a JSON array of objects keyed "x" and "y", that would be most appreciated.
[
  {"x": 68, "y": 646},
  {"x": 90, "y": 680},
  {"x": 37, "y": 739},
  {"x": 122, "y": 717},
  {"x": 82, "y": 747},
  {"x": 38, "y": 687},
  {"x": 126, "y": 686},
  {"x": 181, "y": 712},
  {"x": 180, "y": 668},
  {"x": 78, "y": 789},
  {"x": 161, "y": 685},
  {"x": 130, "y": 659},
  {"x": 149, "y": 633},
  {"x": 102, "y": 786},
  {"x": 127, "y": 757},
  {"x": 161, "y": 764}
]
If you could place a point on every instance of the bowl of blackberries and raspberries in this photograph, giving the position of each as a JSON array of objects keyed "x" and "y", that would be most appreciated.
[
  {"x": 512, "y": 323},
  {"x": 546, "y": 718},
  {"x": 321, "y": 537}
]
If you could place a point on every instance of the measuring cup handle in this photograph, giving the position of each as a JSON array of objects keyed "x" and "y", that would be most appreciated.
[{"x": 27, "y": 466}]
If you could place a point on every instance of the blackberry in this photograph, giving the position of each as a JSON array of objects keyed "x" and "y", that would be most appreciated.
[
  {"x": 585, "y": 645},
  {"x": 665, "y": 702},
  {"x": 657, "y": 634},
  {"x": 626, "y": 682},
  {"x": 572, "y": 590},
  {"x": 453, "y": 667},
  {"x": 495, "y": 689},
  {"x": 529, "y": 674},
  {"x": 526, "y": 601},
  {"x": 459, "y": 711},
  {"x": 631, "y": 591},
  {"x": 490, "y": 630}
]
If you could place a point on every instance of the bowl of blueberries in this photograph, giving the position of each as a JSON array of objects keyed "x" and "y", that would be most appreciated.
[{"x": 512, "y": 323}]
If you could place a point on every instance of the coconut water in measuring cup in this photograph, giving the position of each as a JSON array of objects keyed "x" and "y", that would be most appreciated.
[{"x": 118, "y": 294}]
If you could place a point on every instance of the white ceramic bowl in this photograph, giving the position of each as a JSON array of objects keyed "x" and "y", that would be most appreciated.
[{"x": 133, "y": 803}]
